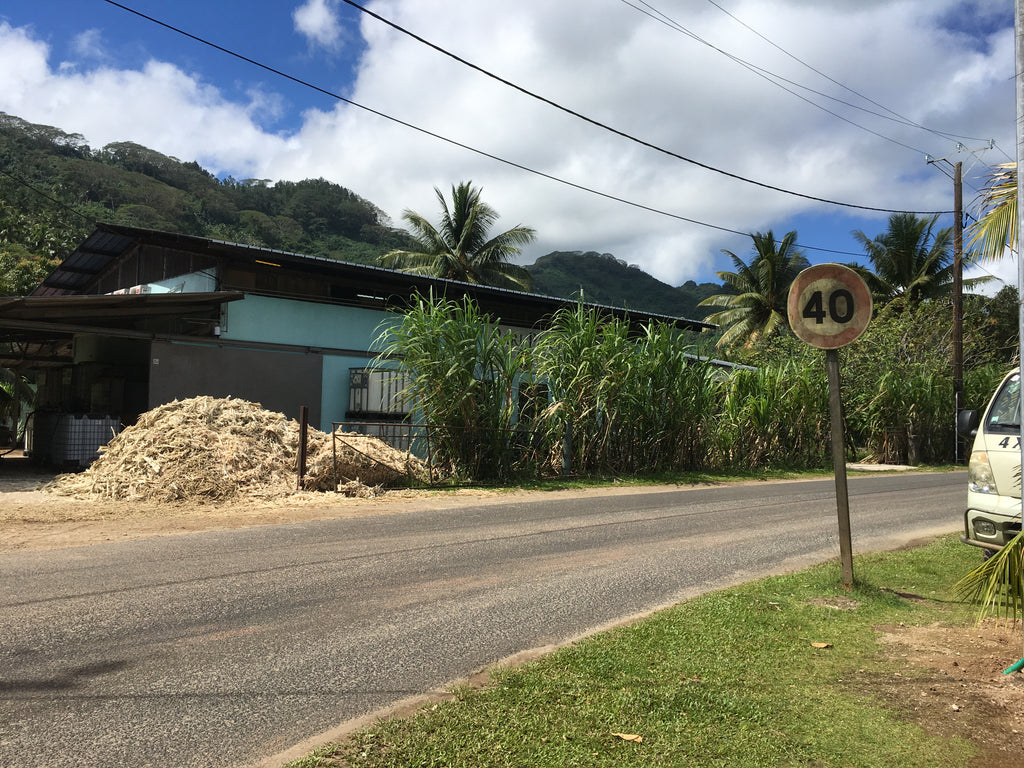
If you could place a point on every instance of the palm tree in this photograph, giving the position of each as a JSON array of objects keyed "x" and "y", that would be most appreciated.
[
  {"x": 996, "y": 230},
  {"x": 911, "y": 259},
  {"x": 460, "y": 248},
  {"x": 758, "y": 307}
]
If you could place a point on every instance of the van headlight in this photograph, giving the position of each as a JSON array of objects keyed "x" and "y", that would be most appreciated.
[
  {"x": 984, "y": 528},
  {"x": 979, "y": 474}
]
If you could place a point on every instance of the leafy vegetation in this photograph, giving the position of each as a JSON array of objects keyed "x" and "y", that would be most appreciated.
[
  {"x": 996, "y": 586},
  {"x": 593, "y": 396},
  {"x": 896, "y": 381},
  {"x": 625, "y": 405},
  {"x": 54, "y": 188},
  {"x": 464, "y": 374},
  {"x": 911, "y": 259},
  {"x": 996, "y": 230},
  {"x": 600, "y": 278}
]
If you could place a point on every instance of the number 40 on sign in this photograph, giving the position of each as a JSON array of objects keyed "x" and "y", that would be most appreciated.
[{"x": 829, "y": 305}]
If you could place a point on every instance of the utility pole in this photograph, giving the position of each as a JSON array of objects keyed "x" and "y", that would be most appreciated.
[
  {"x": 958, "y": 281},
  {"x": 958, "y": 298}
]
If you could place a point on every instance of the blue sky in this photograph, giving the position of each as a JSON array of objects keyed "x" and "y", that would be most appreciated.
[{"x": 839, "y": 101}]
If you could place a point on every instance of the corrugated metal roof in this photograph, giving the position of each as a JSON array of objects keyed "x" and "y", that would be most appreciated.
[
  {"x": 95, "y": 309},
  {"x": 85, "y": 262},
  {"x": 110, "y": 242}
]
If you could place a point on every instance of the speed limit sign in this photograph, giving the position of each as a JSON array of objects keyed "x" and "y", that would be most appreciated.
[{"x": 829, "y": 305}]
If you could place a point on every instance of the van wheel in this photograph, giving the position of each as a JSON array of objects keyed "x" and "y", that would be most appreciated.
[{"x": 986, "y": 554}]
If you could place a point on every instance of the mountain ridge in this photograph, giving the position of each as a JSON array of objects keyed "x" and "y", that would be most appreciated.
[{"x": 54, "y": 189}]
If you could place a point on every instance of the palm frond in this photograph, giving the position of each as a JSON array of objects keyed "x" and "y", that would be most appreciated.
[
  {"x": 995, "y": 585},
  {"x": 996, "y": 229}
]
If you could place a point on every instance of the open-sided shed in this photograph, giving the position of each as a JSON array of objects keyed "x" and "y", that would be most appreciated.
[{"x": 134, "y": 318}]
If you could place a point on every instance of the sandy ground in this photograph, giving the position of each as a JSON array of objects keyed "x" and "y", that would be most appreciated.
[
  {"x": 952, "y": 685},
  {"x": 963, "y": 691},
  {"x": 32, "y": 518}
]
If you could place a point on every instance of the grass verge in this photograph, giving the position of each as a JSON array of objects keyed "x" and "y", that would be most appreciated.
[
  {"x": 709, "y": 477},
  {"x": 773, "y": 673}
]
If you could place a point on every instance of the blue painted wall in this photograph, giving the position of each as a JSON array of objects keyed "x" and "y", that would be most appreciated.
[{"x": 285, "y": 321}]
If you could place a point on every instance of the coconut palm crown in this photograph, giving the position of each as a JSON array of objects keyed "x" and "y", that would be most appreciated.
[
  {"x": 911, "y": 259},
  {"x": 758, "y": 307},
  {"x": 460, "y": 247}
]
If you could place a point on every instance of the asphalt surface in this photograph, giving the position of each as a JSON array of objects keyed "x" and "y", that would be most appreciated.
[{"x": 227, "y": 648}]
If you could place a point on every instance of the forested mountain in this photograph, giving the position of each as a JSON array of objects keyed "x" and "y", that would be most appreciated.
[
  {"x": 603, "y": 279},
  {"x": 54, "y": 189}
]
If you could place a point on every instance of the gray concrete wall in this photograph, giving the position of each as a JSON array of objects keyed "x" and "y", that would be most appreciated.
[{"x": 279, "y": 381}]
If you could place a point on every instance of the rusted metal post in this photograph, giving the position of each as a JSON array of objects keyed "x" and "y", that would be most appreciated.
[{"x": 303, "y": 434}]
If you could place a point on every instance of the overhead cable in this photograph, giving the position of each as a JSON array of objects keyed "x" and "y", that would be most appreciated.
[
  {"x": 615, "y": 131},
  {"x": 774, "y": 79},
  {"x": 896, "y": 116},
  {"x": 475, "y": 150}
]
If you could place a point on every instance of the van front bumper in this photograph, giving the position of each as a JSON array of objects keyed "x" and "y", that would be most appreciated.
[{"x": 991, "y": 528}]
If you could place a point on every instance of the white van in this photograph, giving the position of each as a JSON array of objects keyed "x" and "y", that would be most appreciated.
[{"x": 993, "y": 514}]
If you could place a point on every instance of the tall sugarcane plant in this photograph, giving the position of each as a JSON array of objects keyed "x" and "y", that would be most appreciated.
[
  {"x": 464, "y": 374},
  {"x": 775, "y": 416},
  {"x": 626, "y": 404},
  {"x": 674, "y": 395},
  {"x": 612, "y": 400},
  {"x": 583, "y": 362}
]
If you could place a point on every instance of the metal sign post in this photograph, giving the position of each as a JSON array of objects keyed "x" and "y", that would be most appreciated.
[
  {"x": 830, "y": 306},
  {"x": 835, "y": 410}
]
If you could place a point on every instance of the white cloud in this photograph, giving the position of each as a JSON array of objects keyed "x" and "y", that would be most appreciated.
[
  {"x": 614, "y": 64},
  {"x": 996, "y": 274},
  {"x": 318, "y": 22},
  {"x": 89, "y": 45},
  {"x": 624, "y": 69},
  {"x": 159, "y": 106}
]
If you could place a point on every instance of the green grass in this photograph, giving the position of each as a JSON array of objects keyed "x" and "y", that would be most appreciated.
[
  {"x": 727, "y": 679},
  {"x": 576, "y": 482}
]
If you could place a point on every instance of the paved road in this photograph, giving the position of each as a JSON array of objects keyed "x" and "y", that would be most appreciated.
[{"x": 221, "y": 649}]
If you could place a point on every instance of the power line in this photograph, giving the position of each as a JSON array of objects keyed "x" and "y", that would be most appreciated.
[
  {"x": 897, "y": 117},
  {"x": 777, "y": 80},
  {"x": 482, "y": 153},
  {"x": 608, "y": 128},
  {"x": 771, "y": 77}
]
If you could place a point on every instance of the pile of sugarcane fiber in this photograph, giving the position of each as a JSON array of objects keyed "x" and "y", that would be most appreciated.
[
  {"x": 207, "y": 448},
  {"x": 361, "y": 460}
]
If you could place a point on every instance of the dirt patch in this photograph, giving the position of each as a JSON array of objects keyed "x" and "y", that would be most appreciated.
[
  {"x": 954, "y": 685},
  {"x": 837, "y": 603}
]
